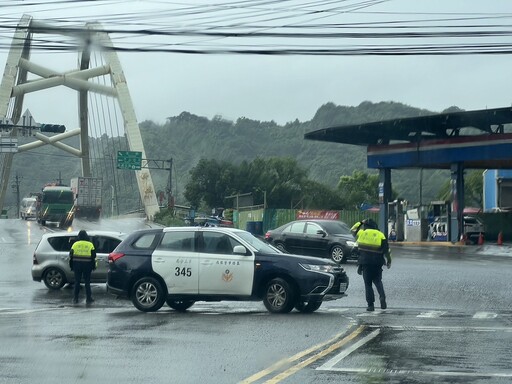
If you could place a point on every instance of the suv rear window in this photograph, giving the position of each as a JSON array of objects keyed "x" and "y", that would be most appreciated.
[
  {"x": 61, "y": 243},
  {"x": 146, "y": 241},
  {"x": 102, "y": 244}
]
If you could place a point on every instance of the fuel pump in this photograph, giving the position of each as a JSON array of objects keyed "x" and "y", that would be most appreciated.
[
  {"x": 439, "y": 221},
  {"x": 396, "y": 210}
]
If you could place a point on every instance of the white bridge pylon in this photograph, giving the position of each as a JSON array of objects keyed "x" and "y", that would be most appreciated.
[{"x": 15, "y": 85}]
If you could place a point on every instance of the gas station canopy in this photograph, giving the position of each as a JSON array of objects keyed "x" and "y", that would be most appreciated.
[
  {"x": 475, "y": 138},
  {"x": 455, "y": 141}
]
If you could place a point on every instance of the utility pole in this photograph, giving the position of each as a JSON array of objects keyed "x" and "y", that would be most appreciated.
[
  {"x": 114, "y": 187},
  {"x": 16, "y": 187},
  {"x": 170, "y": 200}
]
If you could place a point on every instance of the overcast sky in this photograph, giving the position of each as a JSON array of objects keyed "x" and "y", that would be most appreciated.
[{"x": 278, "y": 87}]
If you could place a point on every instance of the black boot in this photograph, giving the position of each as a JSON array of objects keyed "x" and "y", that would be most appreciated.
[
  {"x": 383, "y": 304},
  {"x": 370, "y": 308}
]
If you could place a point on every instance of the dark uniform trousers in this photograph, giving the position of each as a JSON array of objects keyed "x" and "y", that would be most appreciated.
[
  {"x": 372, "y": 274},
  {"x": 82, "y": 269}
]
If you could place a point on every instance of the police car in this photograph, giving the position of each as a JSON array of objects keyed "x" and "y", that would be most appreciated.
[{"x": 182, "y": 265}]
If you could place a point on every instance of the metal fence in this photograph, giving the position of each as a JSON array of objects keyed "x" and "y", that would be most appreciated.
[{"x": 260, "y": 220}]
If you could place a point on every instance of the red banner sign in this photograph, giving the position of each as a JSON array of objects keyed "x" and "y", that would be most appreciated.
[{"x": 312, "y": 214}]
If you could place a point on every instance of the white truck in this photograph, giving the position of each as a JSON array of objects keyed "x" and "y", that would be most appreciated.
[{"x": 87, "y": 193}]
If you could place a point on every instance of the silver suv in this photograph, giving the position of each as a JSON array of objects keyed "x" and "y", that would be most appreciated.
[{"x": 50, "y": 262}]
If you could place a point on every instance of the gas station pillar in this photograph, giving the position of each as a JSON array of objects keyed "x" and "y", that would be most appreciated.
[
  {"x": 456, "y": 225},
  {"x": 384, "y": 198}
]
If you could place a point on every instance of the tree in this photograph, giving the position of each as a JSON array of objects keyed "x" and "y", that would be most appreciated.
[
  {"x": 209, "y": 183},
  {"x": 281, "y": 179},
  {"x": 473, "y": 189},
  {"x": 321, "y": 196},
  {"x": 359, "y": 188}
]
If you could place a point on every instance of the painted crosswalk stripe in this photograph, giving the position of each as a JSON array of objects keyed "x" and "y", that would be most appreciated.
[
  {"x": 431, "y": 314},
  {"x": 485, "y": 315}
]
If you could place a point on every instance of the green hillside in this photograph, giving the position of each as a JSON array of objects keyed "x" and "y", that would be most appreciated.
[{"x": 187, "y": 138}]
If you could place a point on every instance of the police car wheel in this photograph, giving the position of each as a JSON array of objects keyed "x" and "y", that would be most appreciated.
[
  {"x": 309, "y": 307},
  {"x": 148, "y": 295},
  {"x": 337, "y": 254},
  {"x": 279, "y": 296},
  {"x": 54, "y": 278},
  {"x": 180, "y": 305}
]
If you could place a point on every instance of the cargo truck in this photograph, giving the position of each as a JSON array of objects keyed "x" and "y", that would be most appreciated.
[
  {"x": 87, "y": 193},
  {"x": 55, "y": 204}
]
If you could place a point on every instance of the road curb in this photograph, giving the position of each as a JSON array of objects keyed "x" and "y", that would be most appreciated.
[{"x": 428, "y": 244}]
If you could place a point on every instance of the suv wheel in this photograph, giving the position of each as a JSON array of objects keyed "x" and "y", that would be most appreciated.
[
  {"x": 180, "y": 305},
  {"x": 279, "y": 296},
  {"x": 148, "y": 295},
  {"x": 54, "y": 278},
  {"x": 337, "y": 254}
]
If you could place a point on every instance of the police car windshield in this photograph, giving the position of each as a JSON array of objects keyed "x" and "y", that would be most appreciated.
[{"x": 259, "y": 245}]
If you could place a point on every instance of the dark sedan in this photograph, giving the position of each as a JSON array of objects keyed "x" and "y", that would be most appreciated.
[{"x": 322, "y": 238}]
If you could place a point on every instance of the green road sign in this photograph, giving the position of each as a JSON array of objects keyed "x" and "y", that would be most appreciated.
[{"x": 129, "y": 160}]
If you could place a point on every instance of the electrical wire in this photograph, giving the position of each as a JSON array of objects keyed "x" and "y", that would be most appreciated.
[{"x": 269, "y": 27}]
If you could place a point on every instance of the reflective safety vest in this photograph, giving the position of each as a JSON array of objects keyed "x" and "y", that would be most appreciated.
[
  {"x": 372, "y": 245},
  {"x": 82, "y": 250},
  {"x": 356, "y": 228}
]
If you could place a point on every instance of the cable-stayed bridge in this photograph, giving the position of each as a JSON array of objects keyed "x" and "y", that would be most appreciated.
[{"x": 106, "y": 119}]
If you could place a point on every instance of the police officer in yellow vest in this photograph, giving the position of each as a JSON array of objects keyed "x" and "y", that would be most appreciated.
[
  {"x": 82, "y": 260},
  {"x": 373, "y": 254}
]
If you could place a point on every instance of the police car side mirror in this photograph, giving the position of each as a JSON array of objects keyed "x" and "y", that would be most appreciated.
[
  {"x": 321, "y": 232},
  {"x": 239, "y": 250}
]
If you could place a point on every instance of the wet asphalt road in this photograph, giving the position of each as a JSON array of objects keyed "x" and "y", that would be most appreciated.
[{"x": 449, "y": 320}]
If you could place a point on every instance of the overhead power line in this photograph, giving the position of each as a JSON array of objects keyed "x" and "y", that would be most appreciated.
[{"x": 269, "y": 27}]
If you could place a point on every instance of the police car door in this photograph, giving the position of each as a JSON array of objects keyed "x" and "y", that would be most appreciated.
[
  {"x": 176, "y": 260},
  {"x": 221, "y": 272}
]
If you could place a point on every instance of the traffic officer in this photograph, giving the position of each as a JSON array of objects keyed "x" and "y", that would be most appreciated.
[
  {"x": 373, "y": 253},
  {"x": 82, "y": 260}
]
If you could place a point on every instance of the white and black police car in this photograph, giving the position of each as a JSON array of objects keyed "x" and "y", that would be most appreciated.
[{"x": 182, "y": 265}]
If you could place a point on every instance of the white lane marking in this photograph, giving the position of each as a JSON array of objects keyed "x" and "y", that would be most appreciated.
[
  {"x": 337, "y": 310},
  {"x": 431, "y": 314},
  {"x": 485, "y": 315},
  {"x": 329, "y": 366},
  {"x": 426, "y": 373},
  {"x": 336, "y": 359},
  {"x": 18, "y": 311},
  {"x": 375, "y": 313}
]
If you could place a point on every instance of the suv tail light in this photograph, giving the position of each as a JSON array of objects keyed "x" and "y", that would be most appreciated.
[
  {"x": 114, "y": 256},
  {"x": 267, "y": 235},
  {"x": 34, "y": 259}
]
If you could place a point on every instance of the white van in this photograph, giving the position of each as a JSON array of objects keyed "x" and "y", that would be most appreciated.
[{"x": 28, "y": 208}]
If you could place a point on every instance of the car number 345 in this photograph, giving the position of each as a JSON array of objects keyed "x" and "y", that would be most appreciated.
[{"x": 187, "y": 272}]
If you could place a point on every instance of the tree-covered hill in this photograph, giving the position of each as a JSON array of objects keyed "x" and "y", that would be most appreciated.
[{"x": 188, "y": 138}]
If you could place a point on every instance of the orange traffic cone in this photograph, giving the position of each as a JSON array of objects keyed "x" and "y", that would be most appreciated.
[
  {"x": 500, "y": 238},
  {"x": 463, "y": 239},
  {"x": 480, "y": 239}
]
